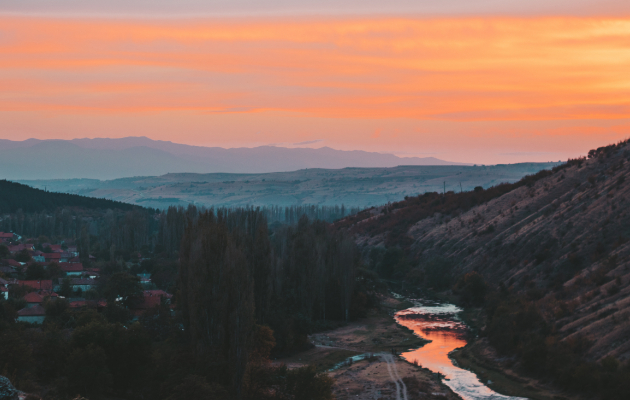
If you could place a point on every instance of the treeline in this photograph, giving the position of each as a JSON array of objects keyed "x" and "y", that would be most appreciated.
[
  {"x": 15, "y": 196},
  {"x": 235, "y": 276},
  {"x": 396, "y": 218},
  {"x": 292, "y": 214}
]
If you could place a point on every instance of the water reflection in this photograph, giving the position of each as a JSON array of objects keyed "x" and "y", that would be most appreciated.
[{"x": 438, "y": 323}]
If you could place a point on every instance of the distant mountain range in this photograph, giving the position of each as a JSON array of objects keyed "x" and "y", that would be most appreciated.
[{"x": 103, "y": 158}]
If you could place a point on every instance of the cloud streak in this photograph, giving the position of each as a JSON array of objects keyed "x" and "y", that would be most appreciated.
[
  {"x": 308, "y": 142},
  {"x": 344, "y": 79}
]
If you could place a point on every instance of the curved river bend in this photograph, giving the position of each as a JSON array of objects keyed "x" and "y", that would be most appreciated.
[{"x": 438, "y": 323}]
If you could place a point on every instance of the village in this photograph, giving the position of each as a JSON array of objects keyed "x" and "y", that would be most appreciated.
[{"x": 36, "y": 275}]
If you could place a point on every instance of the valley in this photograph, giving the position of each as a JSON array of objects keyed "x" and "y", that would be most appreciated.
[{"x": 352, "y": 187}]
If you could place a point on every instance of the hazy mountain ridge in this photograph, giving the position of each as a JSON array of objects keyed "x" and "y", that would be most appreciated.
[
  {"x": 140, "y": 156},
  {"x": 354, "y": 187}
]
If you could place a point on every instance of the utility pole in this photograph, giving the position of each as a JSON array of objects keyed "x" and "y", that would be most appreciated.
[
  {"x": 444, "y": 193},
  {"x": 460, "y": 188}
]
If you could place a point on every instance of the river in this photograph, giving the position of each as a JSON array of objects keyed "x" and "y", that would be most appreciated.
[{"x": 438, "y": 323}]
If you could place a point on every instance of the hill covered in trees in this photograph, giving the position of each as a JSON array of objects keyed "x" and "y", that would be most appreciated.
[
  {"x": 15, "y": 196},
  {"x": 548, "y": 258}
]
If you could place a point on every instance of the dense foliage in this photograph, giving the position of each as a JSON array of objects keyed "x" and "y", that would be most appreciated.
[
  {"x": 243, "y": 291},
  {"x": 15, "y": 196}
]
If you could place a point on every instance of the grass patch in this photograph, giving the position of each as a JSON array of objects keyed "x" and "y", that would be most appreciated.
[
  {"x": 331, "y": 359},
  {"x": 501, "y": 383}
]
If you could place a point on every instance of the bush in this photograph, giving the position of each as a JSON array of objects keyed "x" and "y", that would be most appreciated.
[
  {"x": 438, "y": 273},
  {"x": 472, "y": 289}
]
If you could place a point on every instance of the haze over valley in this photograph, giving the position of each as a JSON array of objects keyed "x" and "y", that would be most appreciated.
[{"x": 352, "y": 187}]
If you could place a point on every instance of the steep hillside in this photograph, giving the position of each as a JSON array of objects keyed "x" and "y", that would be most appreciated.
[{"x": 558, "y": 239}]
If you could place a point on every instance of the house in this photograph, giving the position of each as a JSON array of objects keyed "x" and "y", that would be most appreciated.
[
  {"x": 145, "y": 277},
  {"x": 38, "y": 258},
  {"x": 71, "y": 269},
  {"x": 65, "y": 256},
  {"x": 80, "y": 283},
  {"x": 5, "y": 236},
  {"x": 56, "y": 248},
  {"x": 74, "y": 260},
  {"x": 33, "y": 315},
  {"x": 7, "y": 270},
  {"x": 38, "y": 285},
  {"x": 33, "y": 299},
  {"x": 98, "y": 305},
  {"x": 16, "y": 248},
  {"x": 150, "y": 299},
  {"x": 52, "y": 257},
  {"x": 13, "y": 263},
  {"x": 4, "y": 289}
]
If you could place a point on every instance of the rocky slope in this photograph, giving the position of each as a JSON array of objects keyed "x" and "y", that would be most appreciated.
[{"x": 560, "y": 238}]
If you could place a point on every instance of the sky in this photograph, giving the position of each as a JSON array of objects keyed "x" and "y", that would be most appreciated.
[{"x": 470, "y": 81}]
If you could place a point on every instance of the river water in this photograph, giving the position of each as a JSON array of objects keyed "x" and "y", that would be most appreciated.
[{"x": 438, "y": 323}]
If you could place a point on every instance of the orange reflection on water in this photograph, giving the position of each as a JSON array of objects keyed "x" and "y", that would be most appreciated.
[{"x": 445, "y": 336}]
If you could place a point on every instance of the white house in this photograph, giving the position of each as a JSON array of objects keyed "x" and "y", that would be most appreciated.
[{"x": 33, "y": 315}]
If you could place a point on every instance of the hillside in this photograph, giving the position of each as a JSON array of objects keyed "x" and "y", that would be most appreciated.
[
  {"x": 558, "y": 241},
  {"x": 140, "y": 156},
  {"x": 15, "y": 196},
  {"x": 353, "y": 187}
]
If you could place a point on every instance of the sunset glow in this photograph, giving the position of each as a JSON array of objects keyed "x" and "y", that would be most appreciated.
[{"x": 373, "y": 83}]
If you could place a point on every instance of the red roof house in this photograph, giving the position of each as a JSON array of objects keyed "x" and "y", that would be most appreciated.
[
  {"x": 38, "y": 285},
  {"x": 6, "y": 235},
  {"x": 34, "y": 315},
  {"x": 72, "y": 268},
  {"x": 33, "y": 298},
  {"x": 49, "y": 257},
  {"x": 19, "y": 247}
]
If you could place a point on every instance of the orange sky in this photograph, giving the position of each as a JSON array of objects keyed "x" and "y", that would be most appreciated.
[{"x": 471, "y": 89}]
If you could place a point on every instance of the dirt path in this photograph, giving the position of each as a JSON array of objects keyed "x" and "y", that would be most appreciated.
[
  {"x": 393, "y": 372},
  {"x": 380, "y": 377}
]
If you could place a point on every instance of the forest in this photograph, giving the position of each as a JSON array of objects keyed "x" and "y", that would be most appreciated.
[
  {"x": 243, "y": 292},
  {"x": 16, "y": 196}
]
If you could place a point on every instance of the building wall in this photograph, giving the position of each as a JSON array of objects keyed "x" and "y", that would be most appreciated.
[{"x": 33, "y": 319}]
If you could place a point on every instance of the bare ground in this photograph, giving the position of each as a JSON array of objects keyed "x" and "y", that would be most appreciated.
[{"x": 381, "y": 375}]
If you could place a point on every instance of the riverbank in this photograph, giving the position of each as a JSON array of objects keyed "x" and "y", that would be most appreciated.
[
  {"x": 479, "y": 357},
  {"x": 380, "y": 375},
  {"x": 498, "y": 373}
]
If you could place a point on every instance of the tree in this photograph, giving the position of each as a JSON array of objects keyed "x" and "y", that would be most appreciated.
[
  {"x": 437, "y": 273},
  {"x": 23, "y": 256},
  {"x": 195, "y": 387},
  {"x": 54, "y": 271},
  {"x": 4, "y": 251},
  {"x": 66, "y": 288},
  {"x": 306, "y": 384},
  {"x": 217, "y": 298},
  {"x": 122, "y": 287},
  {"x": 472, "y": 288},
  {"x": 35, "y": 271},
  {"x": 87, "y": 371}
]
